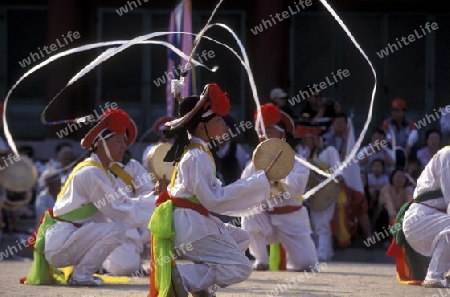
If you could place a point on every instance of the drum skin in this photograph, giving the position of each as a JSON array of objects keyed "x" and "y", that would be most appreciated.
[
  {"x": 156, "y": 164},
  {"x": 275, "y": 156}
]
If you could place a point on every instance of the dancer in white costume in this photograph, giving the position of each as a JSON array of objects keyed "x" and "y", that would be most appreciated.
[
  {"x": 286, "y": 221},
  {"x": 93, "y": 211},
  {"x": 217, "y": 248},
  {"x": 325, "y": 158},
  {"x": 426, "y": 224}
]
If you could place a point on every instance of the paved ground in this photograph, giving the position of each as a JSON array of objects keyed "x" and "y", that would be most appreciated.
[{"x": 335, "y": 279}]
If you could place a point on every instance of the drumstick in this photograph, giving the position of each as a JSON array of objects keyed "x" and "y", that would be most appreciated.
[{"x": 274, "y": 160}]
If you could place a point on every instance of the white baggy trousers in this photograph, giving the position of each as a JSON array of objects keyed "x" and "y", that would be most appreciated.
[
  {"x": 220, "y": 260},
  {"x": 427, "y": 231},
  {"x": 85, "y": 247},
  {"x": 292, "y": 230}
]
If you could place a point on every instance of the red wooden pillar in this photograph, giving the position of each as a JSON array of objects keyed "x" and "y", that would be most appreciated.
[
  {"x": 270, "y": 47},
  {"x": 268, "y": 51}
]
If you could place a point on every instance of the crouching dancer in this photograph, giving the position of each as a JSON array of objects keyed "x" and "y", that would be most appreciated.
[
  {"x": 93, "y": 210},
  {"x": 217, "y": 249},
  {"x": 426, "y": 227}
]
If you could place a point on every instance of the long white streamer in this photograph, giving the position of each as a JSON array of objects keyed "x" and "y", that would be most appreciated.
[
  {"x": 51, "y": 59},
  {"x": 369, "y": 116}
]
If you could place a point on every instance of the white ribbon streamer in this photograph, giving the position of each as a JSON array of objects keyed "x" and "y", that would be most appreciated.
[
  {"x": 369, "y": 116},
  {"x": 51, "y": 59}
]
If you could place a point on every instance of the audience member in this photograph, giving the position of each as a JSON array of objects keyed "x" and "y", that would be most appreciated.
[
  {"x": 395, "y": 194},
  {"x": 230, "y": 159},
  {"x": 278, "y": 98},
  {"x": 445, "y": 126},
  {"x": 413, "y": 170},
  {"x": 376, "y": 180},
  {"x": 400, "y": 132},
  {"x": 47, "y": 197},
  {"x": 65, "y": 162},
  {"x": 376, "y": 150},
  {"x": 433, "y": 144},
  {"x": 318, "y": 110},
  {"x": 337, "y": 136}
]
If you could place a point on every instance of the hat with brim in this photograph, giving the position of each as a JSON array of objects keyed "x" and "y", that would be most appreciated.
[
  {"x": 211, "y": 101},
  {"x": 113, "y": 121},
  {"x": 273, "y": 116}
]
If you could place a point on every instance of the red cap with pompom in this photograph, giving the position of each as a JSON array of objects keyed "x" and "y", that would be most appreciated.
[
  {"x": 272, "y": 116},
  {"x": 115, "y": 120}
]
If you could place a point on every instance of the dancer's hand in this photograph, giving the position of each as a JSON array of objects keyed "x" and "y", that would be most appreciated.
[{"x": 161, "y": 185}]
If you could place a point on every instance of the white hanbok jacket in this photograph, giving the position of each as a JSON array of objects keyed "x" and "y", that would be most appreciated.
[{"x": 196, "y": 177}]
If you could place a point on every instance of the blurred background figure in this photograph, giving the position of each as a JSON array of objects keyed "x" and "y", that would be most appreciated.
[
  {"x": 376, "y": 150},
  {"x": 230, "y": 158},
  {"x": 278, "y": 98},
  {"x": 47, "y": 197},
  {"x": 401, "y": 133},
  {"x": 318, "y": 110},
  {"x": 392, "y": 197},
  {"x": 445, "y": 126},
  {"x": 433, "y": 144},
  {"x": 376, "y": 180},
  {"x": 337, "y": 135}
]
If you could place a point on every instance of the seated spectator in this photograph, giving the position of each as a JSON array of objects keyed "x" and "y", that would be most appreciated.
[
  {"x": 397, "y": 193},
  {"x": 278, "y": 98},
  {"x": 337, "y": 136},
  {"x": 318, "y": 110},
  {"x": 445, "y": 126},
  {"x": 400, "y": 132},
  {"x": 413, "y": 170},
  {"x": 376, "y": 150},
  {"x": 433, "y": 144},
  {"x": 376, "y": 180}
]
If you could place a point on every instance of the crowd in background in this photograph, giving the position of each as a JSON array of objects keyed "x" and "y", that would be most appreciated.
[{"x": 388, "y": 172}]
